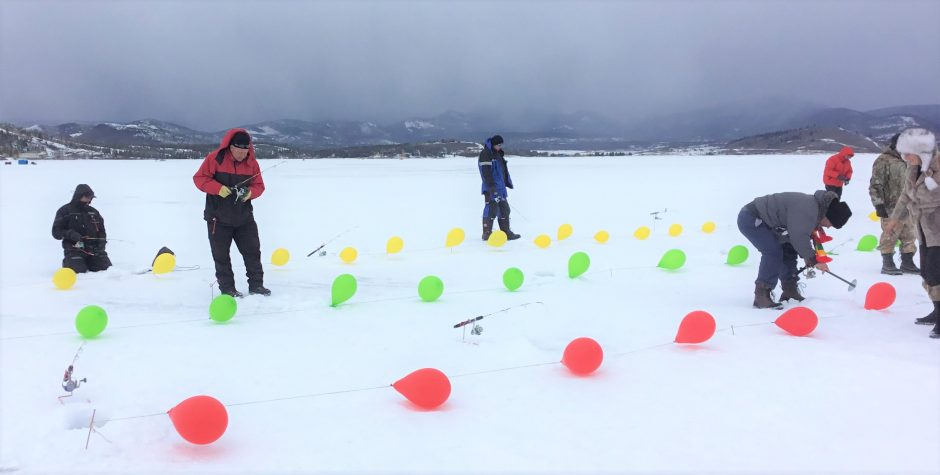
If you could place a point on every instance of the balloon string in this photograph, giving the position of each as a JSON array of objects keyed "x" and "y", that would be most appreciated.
[
  {"x": 461, "y": 375},
  {"x": 302, "y": 396}
]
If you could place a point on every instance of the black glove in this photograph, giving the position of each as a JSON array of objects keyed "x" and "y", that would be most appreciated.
[
  {"x": 73, "y": 235},
  {"x": 880, "y": 211},
  {"x": 843, "y": 178}
]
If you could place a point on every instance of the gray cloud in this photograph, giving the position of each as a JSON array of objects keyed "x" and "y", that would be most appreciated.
[{"x": 211, "y": 64}]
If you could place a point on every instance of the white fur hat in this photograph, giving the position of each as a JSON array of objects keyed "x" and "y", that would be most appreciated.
[{"x": 919, "y": 142}]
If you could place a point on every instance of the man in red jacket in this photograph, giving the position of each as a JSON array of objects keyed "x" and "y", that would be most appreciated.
[
  {"x": 231, "y": 178},
  {"x": 838, "y": 170}
]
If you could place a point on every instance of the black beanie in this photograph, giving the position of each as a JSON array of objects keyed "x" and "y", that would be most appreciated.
[
  {"x": 838, "y": 213},
  {"x": 240, "y": 140},
  {"x": 497, "y": 140}
]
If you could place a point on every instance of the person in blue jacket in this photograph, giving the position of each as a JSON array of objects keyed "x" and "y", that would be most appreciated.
[{"x": 495, "y": 174}]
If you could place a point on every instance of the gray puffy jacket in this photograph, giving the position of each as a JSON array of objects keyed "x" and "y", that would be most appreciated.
[{"x": 794, "y": 216}]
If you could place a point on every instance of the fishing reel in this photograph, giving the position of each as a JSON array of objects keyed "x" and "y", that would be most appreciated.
[
  {"x": 239, "y": 192},
  {"x": 476, "y": 329}
]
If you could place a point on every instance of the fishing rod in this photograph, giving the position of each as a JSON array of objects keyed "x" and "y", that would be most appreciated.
[{"x": 331, "y": 240}]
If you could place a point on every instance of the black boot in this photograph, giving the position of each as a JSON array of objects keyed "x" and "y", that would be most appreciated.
[
  {"x": 259, "y": 290},
  {"x": 763, "y": 298},
  {"x": 887, "y": 265},
  {"x": 907, "y": 263},
  {"x": 231, "y": 291},
  {"x": 487, "y": 228},
  {"x": 935, "y": 333},
  {"x": 930, "y": 319},
  {"x": 504, "y": 226},
  {"x": 790, "y": 291}
]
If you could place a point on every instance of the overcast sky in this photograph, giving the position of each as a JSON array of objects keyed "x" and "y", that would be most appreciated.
[{"x": 212, "y": 64}]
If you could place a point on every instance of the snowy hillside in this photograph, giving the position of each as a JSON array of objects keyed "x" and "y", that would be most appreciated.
[{"x": 306, "y": 385}]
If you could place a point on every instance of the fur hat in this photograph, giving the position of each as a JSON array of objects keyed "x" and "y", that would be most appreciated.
[{"x": 920, "y": 142}]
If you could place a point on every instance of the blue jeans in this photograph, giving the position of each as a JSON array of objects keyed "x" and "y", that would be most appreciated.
[{"x": 777, "y": 260}]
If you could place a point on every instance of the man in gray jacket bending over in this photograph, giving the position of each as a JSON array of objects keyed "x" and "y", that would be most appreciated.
[{"x": 780, "y": 226}]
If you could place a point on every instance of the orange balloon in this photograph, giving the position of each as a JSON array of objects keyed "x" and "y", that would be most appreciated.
[
  {"x": 696, "y": 327},
  {"x": 880, "y": 296},
  {"x": 583, "y": 356},
  {"x": 199, "y": 419},
  {"x": 798, "y": 321},
  {"x": 427, "y": 387}
]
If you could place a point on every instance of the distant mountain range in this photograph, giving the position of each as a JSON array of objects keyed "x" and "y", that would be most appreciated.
[{"x": 716, "y": 126}]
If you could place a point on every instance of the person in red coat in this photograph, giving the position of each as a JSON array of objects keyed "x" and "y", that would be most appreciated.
[
  {"x": 838, "y": 171},
  {"x": 231, "y": 178}
]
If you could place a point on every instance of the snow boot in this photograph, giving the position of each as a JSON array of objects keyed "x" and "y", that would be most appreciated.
[
  {"x": 887, "y": 265},
  {"x": 790, "y": 291},
  {"x": 935, "y": 333},
  {"x": 907, "y": 263},
  {"x": 487, "y": 228},
  {"x": 259, "y": 290},
  {"x": 504, "y": 226},
  {"x": 763, "y": 297},
  {"x": 930, "y": 319},
  {"x": 233, "y": 292}
]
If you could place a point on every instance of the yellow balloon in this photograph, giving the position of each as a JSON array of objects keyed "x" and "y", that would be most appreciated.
[
  {"x": 497, "y": 238},
  {"x": 675, "y": 230},
  {"x": 164, "y": 264},
  {"x": 394, "y": 245},
  {"x": 641, "y": 233},
  {"x": 708, "y": 227},
  {"x": 602, "y": 236},
  {"x": 564, "y": 231},
  {"x": 348, "y": 255},
  {"x": 64, "y": 278},
  {"x": 543, "y": 241},
  {"x": 454, "y": 237},
  {"x": 873, "y": 216},
  {"x": 280, "y": 256}
]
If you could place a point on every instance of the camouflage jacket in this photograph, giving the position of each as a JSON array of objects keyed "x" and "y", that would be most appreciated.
[{"x": 887, "y": 179}]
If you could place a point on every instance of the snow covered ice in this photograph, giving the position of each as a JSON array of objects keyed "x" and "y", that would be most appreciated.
[{"x": 859, "y": 394}]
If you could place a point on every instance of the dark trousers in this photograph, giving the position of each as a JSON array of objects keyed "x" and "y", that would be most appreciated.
[
  {"x": 81, "y": 261},
  {"x": 493, "y": 210},
  {"x": 929, "y": 262},
  {"x": 777, "y": 260},
  {"x": 837, "y": 189},
  {"x": 249, "y": 245}
]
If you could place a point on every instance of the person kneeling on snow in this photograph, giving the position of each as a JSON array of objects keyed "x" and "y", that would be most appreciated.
[
  {"x": 81, "y": 229},
  {"x": 920, "y": 200},
  {"x": 781, "y": 226},
  {"x": 495, "y": 174},
  {"x": 231, "y": 178}
]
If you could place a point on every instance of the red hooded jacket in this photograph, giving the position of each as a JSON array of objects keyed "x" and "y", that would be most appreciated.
[
  {"x": 220, "y": 168},
  {"x": 837, "y": 165}
]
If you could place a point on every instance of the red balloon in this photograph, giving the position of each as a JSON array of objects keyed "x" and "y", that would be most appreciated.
[
  {"x": 200, "y": 419},
  {"x": 880, "y": 296},
  {"x": 798, "y": 321},
  {"x": 427, "y": 387},
  {"x": 696, "y": 327},
  {"x": 583, "y": 356}
]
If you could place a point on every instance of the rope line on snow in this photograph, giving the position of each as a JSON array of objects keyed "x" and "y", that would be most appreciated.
[{"x": 460, "y": 375}]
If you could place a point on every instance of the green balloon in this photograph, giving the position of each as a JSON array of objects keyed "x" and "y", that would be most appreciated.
[
  {"x": 672, "y": 259},
  {"x": 344, "y": 287},
  {"x": 867, "y": 243},
  {"x": 430, "y": 288},
  {"x": 737, "y": 255},
  {"x": 223, "y": 308},
  {"x": 578, "y": 264},
  {"x": 91, "y": 321},
  {"x": 513, "y": 278}
]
